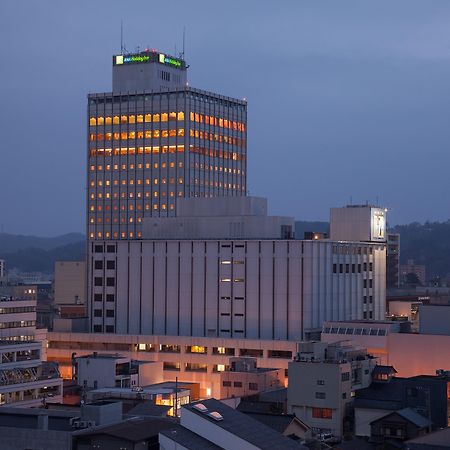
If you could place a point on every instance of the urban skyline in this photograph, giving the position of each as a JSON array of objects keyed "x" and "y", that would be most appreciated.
[{"x": 329, "y": 80}]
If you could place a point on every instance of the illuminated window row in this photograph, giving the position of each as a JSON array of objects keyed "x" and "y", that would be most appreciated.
[
  {"x": 132, "y": 182},
  {"x": 109, "y": 167},
  {"x": 217, "y": 138},
  {"x": 213, "y": 153},
  {"x": 217, "y": 184},
  {"x": 217, "y": 121},
  {"x": 115, "y": 207},
  {"x": 115, "y": 235},
  {"x": 136, "y": 118},
  {"x": 115, "y": 195},
  {"x": 209, "y": 168},
  {"x": 147, "y": 134},
  {"x": 131, "y": 207},
  {"x": 136, "y": 150}
]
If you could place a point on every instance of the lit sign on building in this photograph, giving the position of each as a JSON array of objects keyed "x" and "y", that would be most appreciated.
[
  {"x": 147, "y": 57},
  {"x": 378, "y": 225}
]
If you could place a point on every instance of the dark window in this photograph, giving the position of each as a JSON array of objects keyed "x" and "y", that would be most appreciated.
[
  {"x": 237, "y": 384},
  {"x": 321, "y": 395},
  {"x": 345, "y": 376},
  {"x": 111, "y": 265},
  {"x": 320, "y": 382},
  {"x": 334, "y": 268},
  {"x": 226, "y": 383},
  {"x": 97, "y": 313},
  {"x": 109, "y": 313},
  {"x": 98, "y": 249},
  {"x": 110, "y": 328},
  {"x": 253, "y": 386},
  {"x": 111, "y": 248},
  {"x": 98, "y": 297},
  {"x": 97, "y": 328},
  {"x": 98, "y": 281},
  {"x": 109, "y": 297},
  {"x": 110, "y": 281},
  {"x": 98, "y": 264}
]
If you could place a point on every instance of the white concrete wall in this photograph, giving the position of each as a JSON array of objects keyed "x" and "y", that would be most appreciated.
[{"x": 270, "y": 289}]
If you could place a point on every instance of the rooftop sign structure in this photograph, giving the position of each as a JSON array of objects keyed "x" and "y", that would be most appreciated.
[{"x": 148, "y": 56}]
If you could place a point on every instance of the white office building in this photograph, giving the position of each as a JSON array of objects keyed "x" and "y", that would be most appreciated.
[
  {"x": 24, "y": 379},
  {"x": 255, "y": 284}
]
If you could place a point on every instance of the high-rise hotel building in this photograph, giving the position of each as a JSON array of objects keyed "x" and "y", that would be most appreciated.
[{"x": 154, "y": 139}]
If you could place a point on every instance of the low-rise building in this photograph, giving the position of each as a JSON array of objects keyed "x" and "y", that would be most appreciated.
[
  {"x": 242, "y": 377},
  {"x": 322, "y": 382},
  {"x": 24, "y": 379},
  {"x": 426, "y": 395},
  {"x": 213, "y": 425},
  {"x": 99, "y": 370}
]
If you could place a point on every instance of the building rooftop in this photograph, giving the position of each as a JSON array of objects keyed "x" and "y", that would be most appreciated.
[
  {"x": 244, "y": 426},
  {"x": 188, "y": 439},
  {"x": 132, "y": 430},
  {"x": 437, "y": 438},
  {"x": 190, "y": 89}
]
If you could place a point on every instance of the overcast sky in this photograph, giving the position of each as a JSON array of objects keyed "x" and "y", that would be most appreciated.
[{"x": 346, "y": 99}]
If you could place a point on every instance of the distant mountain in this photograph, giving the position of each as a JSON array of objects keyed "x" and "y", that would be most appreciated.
[
  {"x": 427, "y": 244},
  {"x": 12, "y": 243},
  {"x": 37, "y": 254}
]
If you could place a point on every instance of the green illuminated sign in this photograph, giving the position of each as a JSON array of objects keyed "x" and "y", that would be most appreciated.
[{"x": 139, "y": 58}]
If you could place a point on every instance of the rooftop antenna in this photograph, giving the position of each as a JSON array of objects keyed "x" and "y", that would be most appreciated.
[
  {"x": 121, "y": 37},
  {"x": 184, "y": 40}
]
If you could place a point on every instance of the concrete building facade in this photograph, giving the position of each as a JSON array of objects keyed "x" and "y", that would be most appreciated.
[
  {"x": 70, "y": 282},
  {"x": 255, "y": 289},
  {"x": 322, "y": 382},
  {"x": 155, "y": 139}
]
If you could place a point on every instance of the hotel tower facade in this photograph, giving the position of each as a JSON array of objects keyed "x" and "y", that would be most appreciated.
[{"x": 154, "y": 139}]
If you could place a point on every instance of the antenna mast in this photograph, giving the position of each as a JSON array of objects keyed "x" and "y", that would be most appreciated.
[
  {"x": 184, "y": 39},
  {"x": 121, "y": 37}
]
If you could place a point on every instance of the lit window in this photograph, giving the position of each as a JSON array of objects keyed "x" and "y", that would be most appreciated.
[
  {"x": 100, "y": 120},
  {"x": 181, "y": 115},
  {"x": 116, "y": 120},
  {"x": 108, "y": 120},
  {"x": 131, "y": 119},
  {"x": 92, "y": 121},
  {"x": 164, "y": 117},
  {"x": 140, "y": 118}
]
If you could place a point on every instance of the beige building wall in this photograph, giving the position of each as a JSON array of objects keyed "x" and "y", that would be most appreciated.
[
  {"x": 177, "y": 362},
  {"x": 70, "y": 282}
]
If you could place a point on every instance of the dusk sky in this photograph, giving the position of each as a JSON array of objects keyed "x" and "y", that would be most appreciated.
[{"x": 347, "y": 99}]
